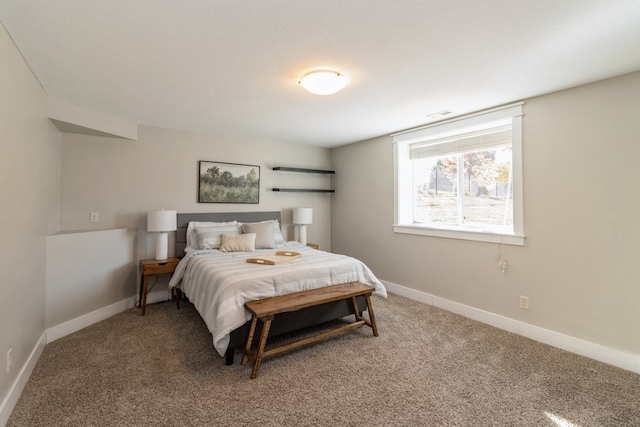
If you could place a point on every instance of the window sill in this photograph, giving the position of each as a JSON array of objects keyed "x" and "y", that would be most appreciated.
[{"x": 475, "y": 235}]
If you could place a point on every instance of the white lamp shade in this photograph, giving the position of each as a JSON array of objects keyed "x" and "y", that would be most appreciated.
[
  {"x": 159, "y": 221},
  {"x": 303, "y": 216}
]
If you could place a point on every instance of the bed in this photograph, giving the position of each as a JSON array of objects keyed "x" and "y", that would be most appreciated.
[{"x": 215, "y": 276}]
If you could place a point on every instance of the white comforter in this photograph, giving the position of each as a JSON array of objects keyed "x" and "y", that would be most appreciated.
[{"x": 218, "y": 283}]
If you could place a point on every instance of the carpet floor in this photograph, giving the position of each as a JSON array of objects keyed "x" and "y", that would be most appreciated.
[{"x": 428, "y": 367}]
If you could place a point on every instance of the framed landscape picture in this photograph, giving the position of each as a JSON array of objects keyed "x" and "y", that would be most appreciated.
[{"x": 228, "y": 183}]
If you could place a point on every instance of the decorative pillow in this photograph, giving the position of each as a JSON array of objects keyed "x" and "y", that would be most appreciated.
[
  {"x": 238, "y": 242},
  {"x": 210, "y": 237},
  {"x": 192, "y": 239},
  {"x": 265, "y": 236},
  {"x": 277, "y": 234}
]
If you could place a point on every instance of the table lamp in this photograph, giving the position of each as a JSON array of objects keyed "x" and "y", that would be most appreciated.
[
  {"x": 302, "y": 217},
  {"x": 161, "y": 222}
]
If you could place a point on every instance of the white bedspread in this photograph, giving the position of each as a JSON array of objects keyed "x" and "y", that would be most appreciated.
[{"x": 218, "y": 283}]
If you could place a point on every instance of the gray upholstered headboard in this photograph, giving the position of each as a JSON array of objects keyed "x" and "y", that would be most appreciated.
[{"x": 185, "y": 218}]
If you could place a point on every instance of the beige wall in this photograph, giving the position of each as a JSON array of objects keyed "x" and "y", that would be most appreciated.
[
  {"x": 581, "y": 208},
  {"x": 88, "y": 271},
  {"x": 29, "y": 171},
  {"x": 124, "y": 179},
  {"x": 53, "y": 182}
]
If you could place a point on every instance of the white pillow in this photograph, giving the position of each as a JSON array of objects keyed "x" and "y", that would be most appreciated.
[
  {"x": 192, "y": 239},
  {"x": 238, "y": 242},
  {"x": 210, "y": 237}
]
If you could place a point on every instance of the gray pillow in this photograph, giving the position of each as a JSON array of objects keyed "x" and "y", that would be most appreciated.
[{"x": 265, "y": 236}]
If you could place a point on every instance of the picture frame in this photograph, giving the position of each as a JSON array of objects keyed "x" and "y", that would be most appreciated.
[{"x": 220, "y": 182}]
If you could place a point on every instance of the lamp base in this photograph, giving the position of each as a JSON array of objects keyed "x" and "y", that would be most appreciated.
[
  {"x": 162, "y": 245},
  {"x": 303, "y": 234}
]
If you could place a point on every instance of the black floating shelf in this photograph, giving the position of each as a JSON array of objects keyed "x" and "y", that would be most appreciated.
[
  {"x": 303, "y": 190},
  {"x": 285, "y": 169}
]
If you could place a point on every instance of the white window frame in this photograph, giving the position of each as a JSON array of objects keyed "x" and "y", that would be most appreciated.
[{"x": 403, "y": 203}]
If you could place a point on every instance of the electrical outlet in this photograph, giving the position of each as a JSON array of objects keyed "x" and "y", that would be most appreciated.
[
  {"x": 94, "y": 217},
  {"x": 9, "y": 359},
  {"x": 524, "y": 302}
]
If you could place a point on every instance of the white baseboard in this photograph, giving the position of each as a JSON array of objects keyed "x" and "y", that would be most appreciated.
[
  {"x": 628, "y": 361},
  {"x": 21, "y": 380},
  {"x": 158, "y": 296},
  {"x": 620, "y": 359},
  {"x": 73, "y": 325},
  {"x": 60, "y": 331},
  {"x": 89, "y": 319}
]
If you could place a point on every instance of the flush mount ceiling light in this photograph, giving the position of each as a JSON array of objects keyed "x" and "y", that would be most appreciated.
[{"x": 323, "y": 82}]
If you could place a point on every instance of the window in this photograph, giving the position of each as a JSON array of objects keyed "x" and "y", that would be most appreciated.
[{"x": 462, "y": 178}]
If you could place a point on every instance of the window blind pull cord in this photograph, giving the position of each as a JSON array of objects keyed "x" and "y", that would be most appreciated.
[{"x": 503, "y": 261}]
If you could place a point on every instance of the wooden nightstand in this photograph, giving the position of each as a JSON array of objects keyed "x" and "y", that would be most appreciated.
[
  {"x": 153, "y": 267},
  {"x": 313, "y": 245}
]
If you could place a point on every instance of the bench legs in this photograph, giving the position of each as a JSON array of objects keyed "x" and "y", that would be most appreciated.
[
  {"x": 372, "y": 319},
  {"x": 261, "y": 353},
  {"x": 263, "y": 341}
]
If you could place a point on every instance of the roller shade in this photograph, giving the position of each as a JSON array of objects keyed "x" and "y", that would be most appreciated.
[{"x": 484, "y": 139}]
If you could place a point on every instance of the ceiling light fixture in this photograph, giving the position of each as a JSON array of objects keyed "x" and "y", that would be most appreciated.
[{"x": 323, "y": 82}]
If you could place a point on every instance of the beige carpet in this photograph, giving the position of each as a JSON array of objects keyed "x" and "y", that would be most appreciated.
[{"x": 428, "y": 368}]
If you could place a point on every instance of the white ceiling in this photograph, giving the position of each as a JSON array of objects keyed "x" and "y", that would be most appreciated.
[{"x": 231, "y": 67}]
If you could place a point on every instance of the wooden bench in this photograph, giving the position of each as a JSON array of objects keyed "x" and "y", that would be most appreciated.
[{"x": 266, "y": 309}]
